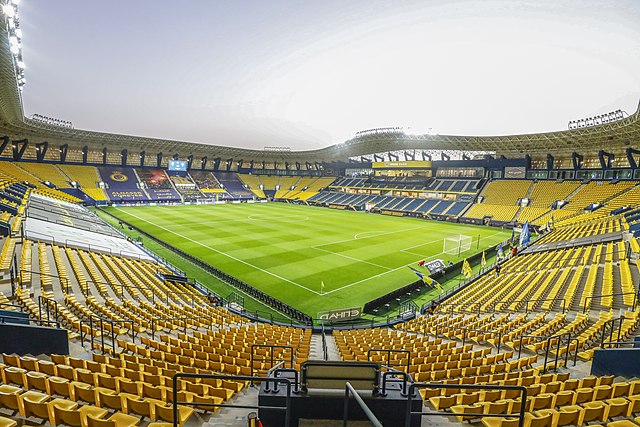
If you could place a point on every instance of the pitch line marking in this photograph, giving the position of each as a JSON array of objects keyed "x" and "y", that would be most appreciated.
[
  {"x": 355, "y": 237},
  {"x": 225, "y": 254},
  {"x": 395, "y": 269},
  {"x": 349, "y": 257}
]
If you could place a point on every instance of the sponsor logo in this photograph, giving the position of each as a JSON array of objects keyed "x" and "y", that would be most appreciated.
[
  {"x": 119, "y": 177},
  {"x": 340, "y": 315}
]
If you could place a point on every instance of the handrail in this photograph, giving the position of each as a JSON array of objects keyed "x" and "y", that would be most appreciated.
[
  {"x": 551, "y": 340},
  {"x": 271, "y": 371},
  {"x": 46, "y": 322},
  {"x": 176, "y": 403},
  {"x": 482, "y": 331},
  {"x": 64, "y": 282},
  {"x": 43, "y": 300},
  {"x": 4, "y": 304},
  {"x": 526, "y": 310},
  {"x": 612, "y": 322},
  {"x": 101, "y": 321},
  {"x": 388, "y": 352},
  {"x": 171, "y": 319},
  {"x": 325, "y": 353},
  {"x": 633, "y": 308},
  {"x": 414, "y": 386},
  {"x": 272, "y": 353},
  {"x": 558, "y": 339},
  {"x": 348, "y": 389},
  {"x": 406, "y": 378}
]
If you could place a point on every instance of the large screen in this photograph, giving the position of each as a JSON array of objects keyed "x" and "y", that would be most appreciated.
[{"x": 177, "y": 165}]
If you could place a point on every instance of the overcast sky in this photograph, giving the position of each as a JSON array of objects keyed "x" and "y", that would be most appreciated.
[{"x": 307, "y": 74}]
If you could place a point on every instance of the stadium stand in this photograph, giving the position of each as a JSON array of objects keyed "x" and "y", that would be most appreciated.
[
  {"x": 425, "y": 198},
  {"x": 543, "y": 196},
  {"x": 12, "y": 172},
  {"x": 185, "y": 186},
  {"x": 252, "y": 182},
  {"x": 493, "y": 332},
  {"x": 46, "y": 172},
  {"x": 208, "y": 184},
  {"x": 308, "y": 187},
  {"x": 88, "y": 179},
  {"x": 233, "y": 185},
  {"x": 500, "y": 200}
]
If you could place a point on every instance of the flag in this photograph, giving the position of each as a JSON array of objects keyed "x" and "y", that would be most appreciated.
[
  {"x": 484, "y": 260},
  {"x": 525, "y": 235},
  {"x": 500, "y": 253},
  {"x": 322, "y": 287},
  {"x": 434, "y": 284},
  {"x": 513, "y": 234},
  {"x": 466, "y": 269},
  {"x": 419, "y": 274}
]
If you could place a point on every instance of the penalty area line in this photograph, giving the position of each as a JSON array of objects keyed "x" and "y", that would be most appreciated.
[{"x": 396, "y": 269}]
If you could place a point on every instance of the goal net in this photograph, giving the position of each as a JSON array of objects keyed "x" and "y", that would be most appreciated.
[{"x": 457, "y": 244}]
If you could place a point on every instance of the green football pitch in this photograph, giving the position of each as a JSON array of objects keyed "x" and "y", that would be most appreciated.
[{"x": 289, "y": 251}]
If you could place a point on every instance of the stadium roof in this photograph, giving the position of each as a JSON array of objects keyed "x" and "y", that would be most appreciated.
[{"x": 613, "y": 136}]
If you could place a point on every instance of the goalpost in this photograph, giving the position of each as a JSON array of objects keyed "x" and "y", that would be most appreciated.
[{"x": 455, "y": 245}]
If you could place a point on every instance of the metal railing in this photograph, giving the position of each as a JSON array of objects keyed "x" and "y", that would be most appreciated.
[
  {"x": 526, "y": 310},
  {"x": 4, "y": 304},
  {"x": 325, "y": 353},
  {"x": 598, "y": 297},
  {"x": 101, "y": 321},
  {"x": 184, "y": 319},
  {"x": 43, "y": 301},
  {"x": 388, "y": 352},
  {"x": 482, "y": 331},
  {"x": 275, "y": 381},
  {"x": 348, "y": 391},
  {"x": 272, "y": 355},
  {"x": 64, "y": 282},
  {"x": 552, "y": 340},
  {"x": 393, "y": 373},
  {"x": 611, "y": 324},
  {"x": 412, "y": 393}
]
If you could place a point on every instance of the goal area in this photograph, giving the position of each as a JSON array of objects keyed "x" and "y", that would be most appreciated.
[{"x": 455, "y": 245}]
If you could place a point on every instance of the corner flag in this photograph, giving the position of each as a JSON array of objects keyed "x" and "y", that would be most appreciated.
[
  {"x": 484, "y": 260},
  {"x": 525, "y": 235},
  {"x": 466, "y": 269}
]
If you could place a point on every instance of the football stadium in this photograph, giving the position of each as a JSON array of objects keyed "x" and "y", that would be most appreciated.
[{"x": 395, "y": 277}]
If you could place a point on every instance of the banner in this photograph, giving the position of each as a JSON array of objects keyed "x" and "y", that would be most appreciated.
[
  {"x": 402, "y": 165},
  {"x": 122, "y": 184},
  {"x": 118, "y": 178},
  {"x": 154, "y": 178},
  {"x": 341, "y": 315},
  {"x": 435, "y": 265},
  {"x": 163, "y": 194}
]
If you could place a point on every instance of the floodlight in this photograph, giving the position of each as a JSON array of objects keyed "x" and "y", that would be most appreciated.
[{"x": 8, "y": 10}]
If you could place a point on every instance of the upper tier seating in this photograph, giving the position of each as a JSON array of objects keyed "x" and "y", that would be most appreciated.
[{"x": 500, "y": 198}]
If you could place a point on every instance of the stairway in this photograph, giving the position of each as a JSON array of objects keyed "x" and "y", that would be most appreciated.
[{"x": 316, "y": 352}]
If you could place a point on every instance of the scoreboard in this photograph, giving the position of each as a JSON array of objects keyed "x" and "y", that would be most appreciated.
[{"x": 178, "y": 165}]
